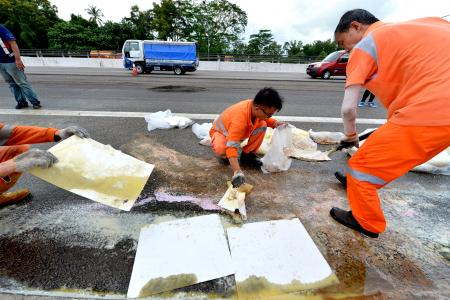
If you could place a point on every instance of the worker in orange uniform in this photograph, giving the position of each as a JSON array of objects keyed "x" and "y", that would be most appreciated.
[
  {"x": 16, "y": 156},
  {"x": 245, "y": 119},
  {"x": 392, "y": 61}
]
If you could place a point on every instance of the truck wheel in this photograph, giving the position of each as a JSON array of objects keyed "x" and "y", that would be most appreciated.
[
  {"x": 178, "y": 70},
  {"x": 326, "y": 74},
  {"x": 140, "y": 68}
]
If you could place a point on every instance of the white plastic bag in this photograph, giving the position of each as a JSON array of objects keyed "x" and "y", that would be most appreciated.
[
  {"x": 275, "y": 159},
  {"x": 165, "y": 120},
  {"x": 201, "y": 131}
]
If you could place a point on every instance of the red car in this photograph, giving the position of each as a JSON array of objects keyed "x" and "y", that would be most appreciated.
[{"x": 332, "y": 65}]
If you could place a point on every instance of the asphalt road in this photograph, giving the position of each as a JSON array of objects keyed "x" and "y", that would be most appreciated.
[{"x": 62, "y": 244}]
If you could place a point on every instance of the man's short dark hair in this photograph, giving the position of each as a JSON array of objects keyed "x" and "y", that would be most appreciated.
[
  {"x": 269, "y": 97},
  {"x": 360, "y": 15}
]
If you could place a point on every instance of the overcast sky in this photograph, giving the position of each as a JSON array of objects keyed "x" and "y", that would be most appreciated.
[{"x": 305, "y": 20}]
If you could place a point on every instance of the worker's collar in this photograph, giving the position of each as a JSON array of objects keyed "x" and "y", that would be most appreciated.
[{"x": 373, "y": 27}]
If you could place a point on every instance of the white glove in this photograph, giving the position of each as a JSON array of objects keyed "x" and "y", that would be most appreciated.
[
  {"x": 34, "y": 158},
  {"x": 74, "y": 130}
]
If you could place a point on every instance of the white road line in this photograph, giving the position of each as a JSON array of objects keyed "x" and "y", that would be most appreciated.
[{"x": 129, "y": 114}]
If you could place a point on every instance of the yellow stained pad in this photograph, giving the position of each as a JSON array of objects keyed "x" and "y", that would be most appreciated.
[{"x": 97, "y": 172}]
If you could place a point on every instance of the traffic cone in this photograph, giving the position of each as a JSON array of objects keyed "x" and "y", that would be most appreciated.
[{"x": 135, "y": 71}]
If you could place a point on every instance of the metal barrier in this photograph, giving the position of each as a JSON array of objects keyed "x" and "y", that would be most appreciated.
[{"x": 203, "y": 56}]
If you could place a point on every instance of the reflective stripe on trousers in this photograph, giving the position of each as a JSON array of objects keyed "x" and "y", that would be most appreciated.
[{"x": 390, "y": 152}]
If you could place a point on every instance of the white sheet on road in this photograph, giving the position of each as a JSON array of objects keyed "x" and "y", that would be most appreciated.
[
  {"x": 97, "y": 172},
  {"x": 179, "y": 253},
  {"x": 276, "y": 257}
]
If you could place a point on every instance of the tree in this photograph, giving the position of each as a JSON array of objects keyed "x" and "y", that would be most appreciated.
[
  {"x": 113, "y": 35},
  {"x": 78, "y": 33},
  {"x": 96, "y": 15},
  {"x": 217, "y": 25},
  {"x": 263, "y": 43},
  {"x": 293, "y": 48},
  {"x": 318, "y": 48},
  {"x": 29, "y": 20},
  {"x": 140, "y": 22},
  {"x": 173, "y": 19}
]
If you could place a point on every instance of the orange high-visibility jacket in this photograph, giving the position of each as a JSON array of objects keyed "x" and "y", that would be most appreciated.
[
  {"x": 407, "y": 66},
  {"x": 235, "y": 123},
  {"x": 20, "y": 135}
]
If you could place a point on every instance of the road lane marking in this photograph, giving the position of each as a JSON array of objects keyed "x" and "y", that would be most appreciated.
[{"x": 129, "y": 114}]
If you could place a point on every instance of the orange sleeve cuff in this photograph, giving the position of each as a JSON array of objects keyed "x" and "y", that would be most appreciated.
[
  {"x": 231, "y": 152},
  {"x": 31, "y": 135},
  {"x": 271, "y": 122}
]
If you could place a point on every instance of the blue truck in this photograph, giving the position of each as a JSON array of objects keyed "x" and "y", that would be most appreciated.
[{"x": 148, "y": 56}]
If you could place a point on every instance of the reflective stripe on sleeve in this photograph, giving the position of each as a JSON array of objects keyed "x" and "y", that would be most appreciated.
[
  {"x": 367, "y": 177},
  {"x": 368, "y": 45},
  {"x": 221, "y": 126},
  {"x": 233, "y": 144},
  {"x": 259, "y": 130},
  {"x": 5, "y": 134}
]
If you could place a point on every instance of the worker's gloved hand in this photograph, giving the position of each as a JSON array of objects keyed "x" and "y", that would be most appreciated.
[
  {"x": 73, "y": 130},
  {"x": 351, "y": 139},
  {"x": 34, "y": 158},
  {"x": 238, "y": 179},
  {"x": 282, "y": 124}
]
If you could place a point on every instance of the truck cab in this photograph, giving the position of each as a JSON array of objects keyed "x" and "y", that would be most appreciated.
[{"x": 148, "y": 56}]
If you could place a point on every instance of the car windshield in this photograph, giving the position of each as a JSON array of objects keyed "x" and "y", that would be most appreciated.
[{"x": 331, "y": 57}]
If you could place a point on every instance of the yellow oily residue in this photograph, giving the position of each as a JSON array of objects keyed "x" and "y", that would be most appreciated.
[
  {"x": 97, "y": 172},
  {"x": 162, "y": 284},
  {"x": 260, "y": 287}
]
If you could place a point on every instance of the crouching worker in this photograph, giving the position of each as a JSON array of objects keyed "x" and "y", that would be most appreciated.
[
  {"x": 16, "y": 156},
  {"x": 246, "y": 119}
]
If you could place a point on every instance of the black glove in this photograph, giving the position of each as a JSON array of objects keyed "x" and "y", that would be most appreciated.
[{"x": 238, "y": 179}]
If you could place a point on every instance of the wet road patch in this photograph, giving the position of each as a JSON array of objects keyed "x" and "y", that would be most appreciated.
[{"x": 178, "y": 89}]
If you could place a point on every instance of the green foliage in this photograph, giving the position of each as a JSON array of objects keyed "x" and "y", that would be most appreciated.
[
  {"x": 293, "y": 48},
  {"x": 96, "y": 15},
  {"x": 78, "y": 33},
  {"x": 140, "y": 22},
  {"x": 29, "y": 20},
  {"x": 320, "y": 48},
  {"x": 263, "y": 43},
  {"x": 216, "y": 25},
  {"x": 172, "y": 20}
]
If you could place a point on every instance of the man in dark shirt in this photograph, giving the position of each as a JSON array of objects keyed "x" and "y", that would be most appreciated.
[{"x": 12, "y": 70}]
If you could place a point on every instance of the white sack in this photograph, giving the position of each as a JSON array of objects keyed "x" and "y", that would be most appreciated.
[
  {"x": 165, "y": 120},
  {"x": 326, "y": 137}
]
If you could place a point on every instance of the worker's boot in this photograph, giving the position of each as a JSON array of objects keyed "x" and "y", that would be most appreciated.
[
  {"x": 342, "y": 178},
  {"x": 14, "y": 197},
  {"x": 250, "y": 159},
  {"x": 346, "y": 218}
]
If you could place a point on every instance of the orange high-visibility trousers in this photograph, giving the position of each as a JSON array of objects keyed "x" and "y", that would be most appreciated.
[
  {"x": 391, "y": 151},
  {"x": 219, "y": 141},
  {"x": 7, "y": 153}
]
